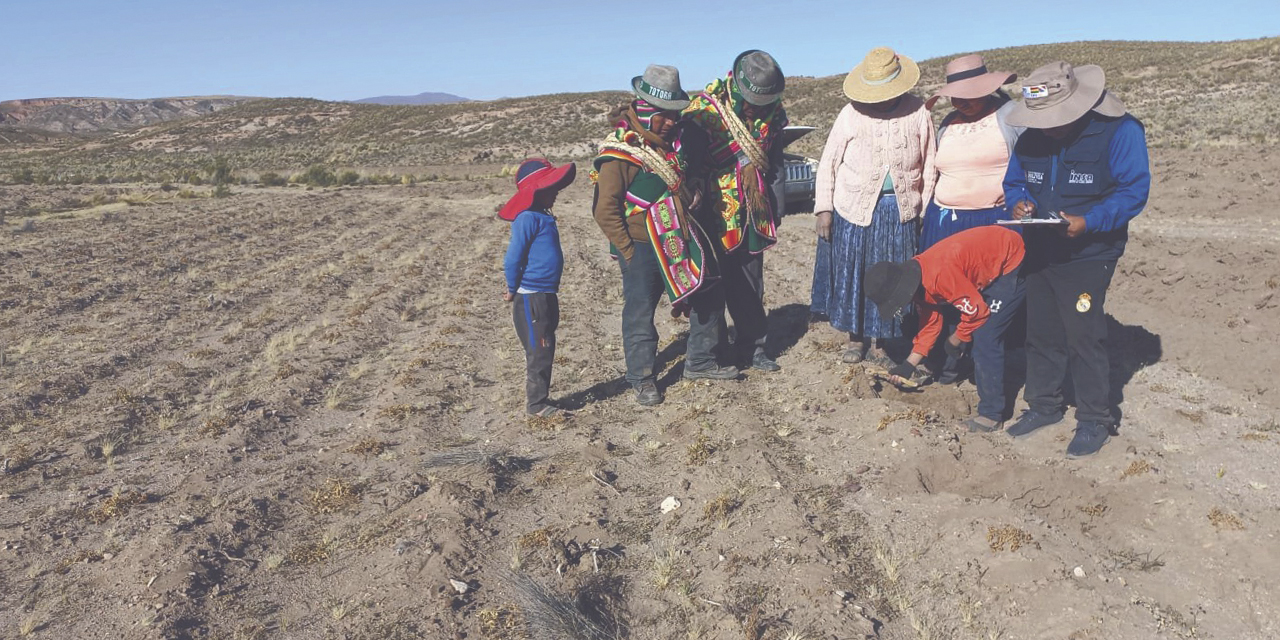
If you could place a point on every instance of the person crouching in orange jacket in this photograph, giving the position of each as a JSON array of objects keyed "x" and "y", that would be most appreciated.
[{"x": 978, "y": 272}]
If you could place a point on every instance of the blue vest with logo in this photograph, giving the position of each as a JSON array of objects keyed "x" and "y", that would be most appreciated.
[{"x": 1071, "y": 179}]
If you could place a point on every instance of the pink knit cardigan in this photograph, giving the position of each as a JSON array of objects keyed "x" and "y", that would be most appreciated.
[{"x": 862, "y": 146}]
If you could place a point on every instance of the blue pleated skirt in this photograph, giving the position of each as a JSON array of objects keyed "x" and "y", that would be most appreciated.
[
  {"x": 842, "y": 263},
  {"x": 941, "y": 222}
]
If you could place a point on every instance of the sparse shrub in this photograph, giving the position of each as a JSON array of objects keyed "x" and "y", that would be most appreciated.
[
  {"x": 219, "y": 171},
  {"x": 348, "y": 178},
  {"x": 221, "y": 191},
  {"x": 317, "y": 175},
  {"x": 271, "y": 179}
]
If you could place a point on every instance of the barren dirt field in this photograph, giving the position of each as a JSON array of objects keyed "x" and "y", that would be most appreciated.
[{"x": 297, "y": 413}]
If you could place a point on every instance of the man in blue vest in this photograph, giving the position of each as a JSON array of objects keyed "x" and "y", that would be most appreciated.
[{"x": 1082, "y": 163}]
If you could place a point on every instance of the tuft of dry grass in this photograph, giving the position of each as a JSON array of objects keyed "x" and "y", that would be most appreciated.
[
  {"x": 18, "y": 458},
  {"x": 117, "y": 505},
  {"x": 369, "y": 446},
  {"x": 501, "y": 622},
  {"x": 1007, "y": 537},
  {"x": 582, "y": 615},
  {"x": 308, "y": 553},
  {"x": 1225, "y": 520},
  {"x": 338, "y": 397},
  {"x": 83, "y": 555},
  {"x": 700, "y": 450},
  {"x": 1136, "y": 468},
  {"x": 551, "y": 423},
  {"x": 919, "y": 416},
  {"x": 214, "y": 426},
  {"x": 536, "y": 539},
  {"x": 722, "y": 506},
  {"x": 333, "y": 496},
  {"x": 1094, "y": 510}
]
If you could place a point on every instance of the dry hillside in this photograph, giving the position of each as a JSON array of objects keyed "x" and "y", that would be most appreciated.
[{"x": 1189, "y": 94}]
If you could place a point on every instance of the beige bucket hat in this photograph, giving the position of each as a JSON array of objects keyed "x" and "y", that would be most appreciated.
[
  {"x": 883, "y": 75},
  {"x": 968, "y": 78},
  {"x": 1058, "y": 94}
]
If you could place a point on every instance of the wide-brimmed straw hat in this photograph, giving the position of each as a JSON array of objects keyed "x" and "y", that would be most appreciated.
[
  {"x": 660, "y": 87},
  {"x": 533, "y": 176},
  {"x": 968, "y": 78},
  {"x": 883, "y": 75},
  {"x": 1058, "y": 94},
  {"x": 892, "y": 285},
  {"x": 758, "y": 77}
]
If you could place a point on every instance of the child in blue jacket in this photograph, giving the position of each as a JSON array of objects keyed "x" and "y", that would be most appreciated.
[{"x": 533, "y": 265}]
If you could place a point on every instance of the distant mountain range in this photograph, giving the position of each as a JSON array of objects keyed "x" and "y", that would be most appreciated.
[
  {"x": 86, "y": 115},
  {"x": 429, "y": 97}
]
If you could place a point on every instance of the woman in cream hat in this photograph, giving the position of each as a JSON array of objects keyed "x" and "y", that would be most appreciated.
[{"x": 874, "y": 178}]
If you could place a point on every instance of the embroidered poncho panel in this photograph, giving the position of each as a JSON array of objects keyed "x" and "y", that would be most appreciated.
[
  {"x": 737, "y": 227},
  {"x": 654, "y": 193}
]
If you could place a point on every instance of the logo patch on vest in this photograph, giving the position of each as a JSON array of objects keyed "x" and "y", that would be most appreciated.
[
  {"x": 966, "y": 307},
  {"x": 1080, "y": 178},
  {"x": 1084, "y": 303},
  {"x": 1035, "y": 177}
]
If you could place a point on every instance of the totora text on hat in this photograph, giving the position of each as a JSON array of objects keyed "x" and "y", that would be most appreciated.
[
  {"x": 758, "y": 77},
  {"x": 660, "y": 87},
  {"x": 1058, "y": 94}
]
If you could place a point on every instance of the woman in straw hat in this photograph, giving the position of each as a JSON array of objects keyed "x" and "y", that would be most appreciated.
[
  {"x": 876, "y": 173},
  {"x": 974, "y": 145}
]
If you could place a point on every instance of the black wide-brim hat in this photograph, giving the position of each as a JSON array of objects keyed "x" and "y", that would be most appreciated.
[{"x": 892, "y": 285}]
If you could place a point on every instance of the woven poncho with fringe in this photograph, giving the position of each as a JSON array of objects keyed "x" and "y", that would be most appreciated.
[
  {"x": 654, "y": 193},
  {"x": 746, "y": 217}
]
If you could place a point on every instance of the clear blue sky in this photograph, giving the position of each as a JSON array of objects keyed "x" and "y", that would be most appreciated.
[{"x": 488, "y": 49}]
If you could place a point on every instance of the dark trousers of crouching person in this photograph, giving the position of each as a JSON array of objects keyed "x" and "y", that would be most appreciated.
[
  {"x": 642, "y": 287},
  {"x": 1066, "y": 333},
  {"x": 536, "y": 316},
  {"x": 1004, "y": 297}
]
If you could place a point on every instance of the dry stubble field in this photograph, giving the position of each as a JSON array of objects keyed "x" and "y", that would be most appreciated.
[{"x": 297, "y": 414}]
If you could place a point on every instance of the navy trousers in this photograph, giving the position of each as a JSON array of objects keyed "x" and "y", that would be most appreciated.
[{"x": 1004, "y": 297}]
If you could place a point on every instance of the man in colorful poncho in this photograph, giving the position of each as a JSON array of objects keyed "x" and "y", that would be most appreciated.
[
  {"x": 743, "y": 117},
  {"x": 644, "y": 194}
]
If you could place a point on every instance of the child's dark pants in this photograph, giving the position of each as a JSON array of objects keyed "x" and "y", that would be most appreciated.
[{"x": 536, "y": 317}]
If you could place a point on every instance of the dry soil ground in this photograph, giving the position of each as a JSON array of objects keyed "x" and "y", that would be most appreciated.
[{"x": 297, "y": 414}]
